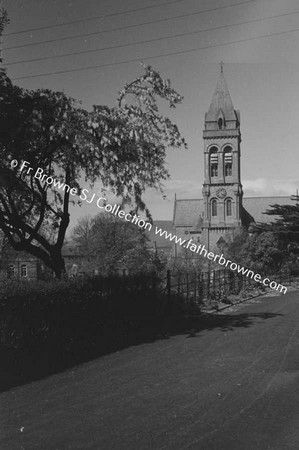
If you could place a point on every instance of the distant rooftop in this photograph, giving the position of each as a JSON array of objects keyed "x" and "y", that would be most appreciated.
[{"x": 157, "y": 240}]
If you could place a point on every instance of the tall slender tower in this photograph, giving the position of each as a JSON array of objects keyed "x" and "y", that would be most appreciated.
[{"x": 222, "y": 188}]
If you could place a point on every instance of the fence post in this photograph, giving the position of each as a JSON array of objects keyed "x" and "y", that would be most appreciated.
[
  {"x": 199, "y": 289},
  {"x": 199, "y": 286},
  {"x": 154, "y": 283},
  {"x": 168, "y": 288}
]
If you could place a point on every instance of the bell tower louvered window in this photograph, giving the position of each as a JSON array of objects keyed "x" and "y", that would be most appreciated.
[
  {"x": 228, "y": 162},
  {"x": 214, "y": 162}
]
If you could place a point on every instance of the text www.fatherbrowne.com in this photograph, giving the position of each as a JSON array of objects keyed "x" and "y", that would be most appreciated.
[
  {"x": 201, "y": 250},
  {"x": 102, "y": 204}
]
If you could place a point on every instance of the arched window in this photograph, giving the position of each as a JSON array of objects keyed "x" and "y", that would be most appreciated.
[
  {"x": 24, "y": 270},
  {"x": 214, "y": 208},
  {"x": 221, "y": 120},
  {"x": 11, "y": 271},
  {"x": 228, "y": 161},
  {"x": 214, "y": 162},
  {"x": 228, "y": 207}
]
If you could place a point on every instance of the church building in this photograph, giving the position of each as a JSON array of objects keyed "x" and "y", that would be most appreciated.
[{"x": 222, "y": 212}]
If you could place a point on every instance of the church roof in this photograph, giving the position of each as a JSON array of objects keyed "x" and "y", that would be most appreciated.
[
  {"x": 221, "y": 102},
  {"x": 188, "y": 212},
  {"x": 256, "y": 206}
]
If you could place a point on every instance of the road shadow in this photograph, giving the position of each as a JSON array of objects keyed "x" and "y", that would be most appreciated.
[
  {"x": 228, "y": 322},
  {"x": 25, "y": 365}
]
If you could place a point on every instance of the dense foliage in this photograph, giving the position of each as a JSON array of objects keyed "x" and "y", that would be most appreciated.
[
  {"x": 3, "y": 20},
  {"x": 286, "y": 223},
  {"x": 262, "y": 252},
  {"x": 112, "y": 243},
  {"x": 63, "y": 312}
]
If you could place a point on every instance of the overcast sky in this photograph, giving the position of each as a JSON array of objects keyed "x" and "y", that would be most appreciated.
[{"x": 262, "y": 74}]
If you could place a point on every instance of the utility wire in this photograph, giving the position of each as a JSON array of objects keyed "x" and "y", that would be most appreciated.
[
  {"x": 196, "y": 49},
  {"x": 104, "y": 16},
  {"x": 112, "y": 47},
  {"x": 49, "y": 41}
]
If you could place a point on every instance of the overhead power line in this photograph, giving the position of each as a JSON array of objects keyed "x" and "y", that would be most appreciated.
[
  {"x": 89, "y": 19},
  {"x": 94, "y": 33},
  {"x": 196, "y": 49},
  {"x": 112, "y": 47}
]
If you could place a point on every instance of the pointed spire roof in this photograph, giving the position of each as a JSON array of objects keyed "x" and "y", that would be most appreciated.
[{"x": 221, "y": 101}]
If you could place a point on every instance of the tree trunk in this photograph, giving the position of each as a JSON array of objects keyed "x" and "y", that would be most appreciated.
[{"x": 58, "y": 264}]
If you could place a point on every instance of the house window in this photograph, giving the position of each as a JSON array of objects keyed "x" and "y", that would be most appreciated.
[
  {"x": 228, "y": 207},
  {"x": 214, "y": 208},
  {"x": 220, "y": 123},
  {"x": 214, "y": 162},
  {"x": 23, "y": 270},
  {"x": 11, "y": 271}
]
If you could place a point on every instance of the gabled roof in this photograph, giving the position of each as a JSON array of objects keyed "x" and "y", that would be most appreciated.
[
  {"x": 256, "y": 206},
  {"x": 221, "y": 102},
  {"x": 187, "y": 213}
]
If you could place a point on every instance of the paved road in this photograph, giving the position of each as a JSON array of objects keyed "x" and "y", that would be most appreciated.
[{"x": 234, "y": 385}]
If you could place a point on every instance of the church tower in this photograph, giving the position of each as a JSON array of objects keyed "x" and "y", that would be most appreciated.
[{"x": 222, "y": 188}]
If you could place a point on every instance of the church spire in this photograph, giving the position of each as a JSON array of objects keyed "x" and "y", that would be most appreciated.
[{"x": 221, "y": 104}]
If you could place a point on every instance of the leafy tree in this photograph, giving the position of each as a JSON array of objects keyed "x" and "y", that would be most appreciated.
[
  {"x": 113, "y": 243},
  {"x": 3, "y": 21},
  {"x": 286, "y": 223},
  {"x": 261, "y": 252},
  {"x": 82, "y": 232},
  {"x": 187, "y": 264},
  {"x": 123, "y": 146},
  {"x": 270, "y": 247},
  {"x": 2, "y": 243}
]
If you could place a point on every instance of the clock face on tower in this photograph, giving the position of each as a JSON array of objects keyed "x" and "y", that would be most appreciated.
[{"x": 221, "y": 193}]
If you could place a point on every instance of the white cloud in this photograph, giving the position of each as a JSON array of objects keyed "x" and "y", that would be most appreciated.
[{"x": 269, "y": 186}]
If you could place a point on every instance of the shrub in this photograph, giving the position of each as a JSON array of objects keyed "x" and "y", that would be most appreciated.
[{"x": 63, "y": 312}]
